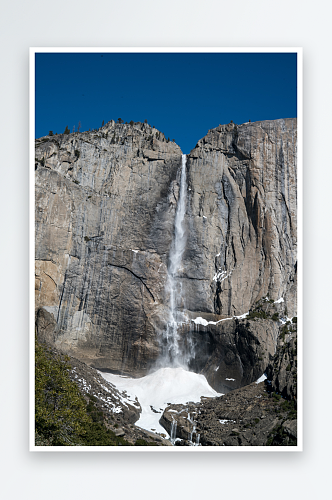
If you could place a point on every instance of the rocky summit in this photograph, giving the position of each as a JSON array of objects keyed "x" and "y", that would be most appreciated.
[{"x": 106, "y": 203}]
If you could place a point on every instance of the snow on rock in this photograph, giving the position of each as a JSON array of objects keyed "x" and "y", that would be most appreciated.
[
  {"x": 160, "y": 388},
  {"x": 261, "y": 379},
  {"x": 221, "y": 275},
  {"x": 279, "y": 301},
  {"x": 204, "y": 322},
  {"x": 283, "y": 321},
  {"x": 233, "y": 379}
]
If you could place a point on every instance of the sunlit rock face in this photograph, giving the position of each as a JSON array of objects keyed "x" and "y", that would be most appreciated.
[
  {"x": 105, "y": 207},
  {"x": 241, "y": 218},
  {"x": 106, "y": 202}
]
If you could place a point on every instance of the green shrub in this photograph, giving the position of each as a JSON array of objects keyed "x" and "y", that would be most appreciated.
[
  {"x": 62, "y": 417},
  {"x": 60, "y": 409},
  {"x": 275, "y": 317},
  {"x": 77, "y": 153},
  {"x": 257, "y": 314},
  {"x": 294, "y": 320}
]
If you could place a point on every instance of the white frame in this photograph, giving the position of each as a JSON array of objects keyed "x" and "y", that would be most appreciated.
[{"x": 199, "y": 449}]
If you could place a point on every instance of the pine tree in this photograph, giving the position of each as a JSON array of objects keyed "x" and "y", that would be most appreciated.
[
  {"x": 60, "y": 409},
  {"x": 67, "y": 131}
]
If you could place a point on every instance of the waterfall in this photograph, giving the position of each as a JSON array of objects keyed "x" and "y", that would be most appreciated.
[
  {"x": 173, "y": 430},
  {"x": 172, "y": 355}
]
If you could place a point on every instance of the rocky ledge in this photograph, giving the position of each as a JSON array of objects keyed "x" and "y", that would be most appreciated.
[
  {"x": 250, "y": 416},
  {"x": 259, "y": 414}
]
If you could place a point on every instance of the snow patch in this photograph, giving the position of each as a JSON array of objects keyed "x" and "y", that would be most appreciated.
[
  {"x": 202, "y": 321},
  {"x": 135, "y": 251},
  {"x": 283, "y": 321},
  {"x": 279, "y": 301},
  {"x": 164, "y": 386},
  {"x": 233, "y": 379},
  {"x": 220, "y": 275},
  {"x": 261, "y": 379}
]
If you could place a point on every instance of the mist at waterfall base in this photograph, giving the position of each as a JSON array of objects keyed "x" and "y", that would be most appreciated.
[{"x": 171, "y": 382}]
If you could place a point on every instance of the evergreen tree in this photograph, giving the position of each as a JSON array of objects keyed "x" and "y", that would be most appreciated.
[
  {"x": 60, "y": 409},
  {"x": 67, "y": 131}
]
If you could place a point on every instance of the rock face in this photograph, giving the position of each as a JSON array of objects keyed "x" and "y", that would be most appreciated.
[
  {"x": 257, "y": 414},
  {"x": 105, "y": 206},
  {"x": 241, "y": 218},
  {"x": 105, "y": 209},
  {"x": 249, "y": 416},
  {"x": 282, "y": 371}
]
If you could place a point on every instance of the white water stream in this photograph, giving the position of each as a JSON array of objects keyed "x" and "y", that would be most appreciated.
[{"x": 172, "y": 354}]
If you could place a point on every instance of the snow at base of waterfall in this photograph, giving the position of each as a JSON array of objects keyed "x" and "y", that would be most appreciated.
[{"x": 160, "y": 388}]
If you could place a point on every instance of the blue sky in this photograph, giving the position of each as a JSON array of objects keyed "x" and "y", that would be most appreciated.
[{"x": 181, "y": 94}]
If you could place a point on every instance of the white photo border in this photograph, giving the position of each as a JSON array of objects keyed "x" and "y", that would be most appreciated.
[{"x": 199, "y": 449}]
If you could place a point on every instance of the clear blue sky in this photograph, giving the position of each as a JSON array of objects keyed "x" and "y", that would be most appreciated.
[{"x": 181, "y": 94}]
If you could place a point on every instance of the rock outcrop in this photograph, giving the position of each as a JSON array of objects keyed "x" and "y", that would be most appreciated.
[
  {"x": 263, "y": 413},
  {"x": 282, "y": 371},
  {"x": 105, "y": 208},
  {"x": 249, "y": 416}
]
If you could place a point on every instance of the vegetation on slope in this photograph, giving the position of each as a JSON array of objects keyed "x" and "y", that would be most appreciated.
[{"x": 62, "y": 415}]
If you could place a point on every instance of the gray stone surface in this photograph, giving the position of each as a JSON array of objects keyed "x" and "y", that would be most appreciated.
[
  {"x": 104, "y": 225},
  {"x": 282, "y": 370},
  {"x": 249, "y": 416},
  {"x": 241, "y": 218},
  {"x": 105, "y": 208}
]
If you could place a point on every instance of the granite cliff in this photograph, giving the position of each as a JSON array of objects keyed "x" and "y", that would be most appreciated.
[{"x": 105, "y": 209}]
